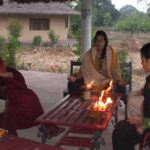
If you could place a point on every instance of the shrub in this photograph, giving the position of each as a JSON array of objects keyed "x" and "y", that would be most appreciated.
[
  {"x": 14, "y": 28},
  {"x": 53, "y": 37},
  {"x": 123, "y": 58},
  {"x": 3, "y": 52},
  {"x": 37, "y": 40},
  {"x": 77, "y": 36}
]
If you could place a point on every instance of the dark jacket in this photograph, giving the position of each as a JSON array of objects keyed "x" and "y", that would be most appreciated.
[{"x": 147, "y": 98}]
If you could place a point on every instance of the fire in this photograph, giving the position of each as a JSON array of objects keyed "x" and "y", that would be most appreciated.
[
  {"x": 89, "y": 86},
  {"x": 104, "y": 100},
  {"x": 107, "y": 91}
]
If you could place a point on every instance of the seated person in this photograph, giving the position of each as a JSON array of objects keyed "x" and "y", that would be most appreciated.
[
  {"x": 100, "y": 64},
  {"x": 23, "y": 105},
  {"x": 129, "y": 133},
  {"x": 134, "y": 103}
]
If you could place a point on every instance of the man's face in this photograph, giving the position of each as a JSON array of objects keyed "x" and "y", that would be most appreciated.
[{"x": 145, "y": 63}]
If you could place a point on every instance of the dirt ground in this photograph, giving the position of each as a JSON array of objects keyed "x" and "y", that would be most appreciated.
[{"x": 58, "y": 59}]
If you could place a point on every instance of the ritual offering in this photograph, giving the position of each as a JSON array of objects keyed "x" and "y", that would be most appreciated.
[
  {"x": 88, "y": 89},
  {"x": 3, "y": 133},
  {"x": 103, "y": 103}
]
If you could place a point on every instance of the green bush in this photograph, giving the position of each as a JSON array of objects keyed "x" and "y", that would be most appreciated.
[
  {"x": 14, "y": 28},
  {"x": 12, "y": 46},
  {"x": 123, "y": 58},
  {"x": 37, "y": 40},
  {"x": 77, "y": 36},
  {"x": 133, "y": 24},
  {"x": 3, "y": 50},
  {"x": 53, "y": 37}
]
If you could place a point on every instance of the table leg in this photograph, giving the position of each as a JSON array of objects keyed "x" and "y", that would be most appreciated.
[
  {"x": 43, "y": 133},
  {"x": 98, "y": 140}
]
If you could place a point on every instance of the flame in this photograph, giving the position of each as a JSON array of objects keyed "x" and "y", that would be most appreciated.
[
  {"x": 102, "y": 95},
  {"x": 100, "y": 105},
  {"x": 110, "y": 87},
  {"x": 89, "y": 86},
  {"x": 109, "y": 101}
]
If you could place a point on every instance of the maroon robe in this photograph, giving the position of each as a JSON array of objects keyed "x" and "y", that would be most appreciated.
[{"x": 23, "y": 106}]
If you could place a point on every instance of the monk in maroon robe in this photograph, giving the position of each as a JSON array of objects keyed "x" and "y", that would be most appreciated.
[{"x": 23, "y": 106}]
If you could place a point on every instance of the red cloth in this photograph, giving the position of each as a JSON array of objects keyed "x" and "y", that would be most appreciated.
[{"x": 23, "y": 104}]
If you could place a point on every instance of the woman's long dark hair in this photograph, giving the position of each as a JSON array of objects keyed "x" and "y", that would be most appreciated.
[
  {"x": 102, "y": 33},
  {"x": 145, "y": 51}
]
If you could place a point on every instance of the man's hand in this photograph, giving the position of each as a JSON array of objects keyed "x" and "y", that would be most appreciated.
[
  {"x": 139, "y": 129},
  {"x": 72, "y": 78},
  {"x": 122, "y": 83},
  {"x": 133, "y": 121}
]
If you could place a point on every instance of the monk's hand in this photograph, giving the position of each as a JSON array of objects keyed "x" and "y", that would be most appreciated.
[
  {"x": 72, "y": 78},
  {"x": 133, "y": 121},
  {"x": 8, "y": 75}
]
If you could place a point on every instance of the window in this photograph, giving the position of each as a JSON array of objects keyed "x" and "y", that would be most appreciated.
[
  {"x": 66, "y": 22},
  {"x": 39, "y": 24}
]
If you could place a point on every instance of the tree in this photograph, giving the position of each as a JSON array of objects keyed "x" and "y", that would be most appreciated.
[
  {"x": 107, "y": 18},
  {"x": 133, "y": 24},
  {"x": 103, "y": 9}
]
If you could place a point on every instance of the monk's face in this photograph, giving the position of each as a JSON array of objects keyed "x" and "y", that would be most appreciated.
[
  {"x": 145, "y": 63},
  {"x": 100, "y": 43}
]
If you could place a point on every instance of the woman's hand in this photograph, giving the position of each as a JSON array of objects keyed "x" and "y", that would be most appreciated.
[{"x": 72, "y": 78}]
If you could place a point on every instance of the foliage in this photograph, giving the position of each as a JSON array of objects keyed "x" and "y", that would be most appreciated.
[
  {"x": 75, "y": 21},
  {"x": 123, "y": 57},
  {"x": 12, "y": 46},
  {"x": 3, "y": 51},
  {"x": 128, "y": 10},
  {"x": 2, "y": 43},
  {"x": 104, "y": 12},
  {"x": 77, "y": 36},
  {"x": 37, "y": 40},
  {"x": 14, "y": 29},
  {"x": 133, "y": 24},
  {"x": 53, "y": 37}
]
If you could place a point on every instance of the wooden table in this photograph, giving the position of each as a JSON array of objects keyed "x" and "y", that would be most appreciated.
[
  {"x": 72, "y": 111},
  {"x": 11, "y": 142}
]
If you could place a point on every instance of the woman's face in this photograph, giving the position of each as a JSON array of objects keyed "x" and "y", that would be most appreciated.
[
  {"x": 145, "y": 63},
  {"x": 100, "y": 43}
]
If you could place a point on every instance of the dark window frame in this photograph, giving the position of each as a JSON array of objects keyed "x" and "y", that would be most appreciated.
[
  {"x": 66, "y": 21},
  {"x": 39, "y": 24}
]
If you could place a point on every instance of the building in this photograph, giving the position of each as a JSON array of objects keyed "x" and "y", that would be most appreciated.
[{"x": 37, "y": 19}]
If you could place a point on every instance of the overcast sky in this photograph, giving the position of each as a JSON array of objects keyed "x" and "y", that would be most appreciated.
[{"x": 140, "y": 6}]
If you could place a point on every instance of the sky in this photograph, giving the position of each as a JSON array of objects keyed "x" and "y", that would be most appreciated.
[{"x": 139, "y": 5}]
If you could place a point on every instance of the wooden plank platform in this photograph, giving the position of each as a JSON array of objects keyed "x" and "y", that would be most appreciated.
[{"x": 72, "y": 111}]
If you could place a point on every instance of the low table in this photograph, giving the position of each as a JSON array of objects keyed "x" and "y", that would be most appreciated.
[
  {"x": 72, "y": 111},
  {"x": 11, "y": 142}
]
